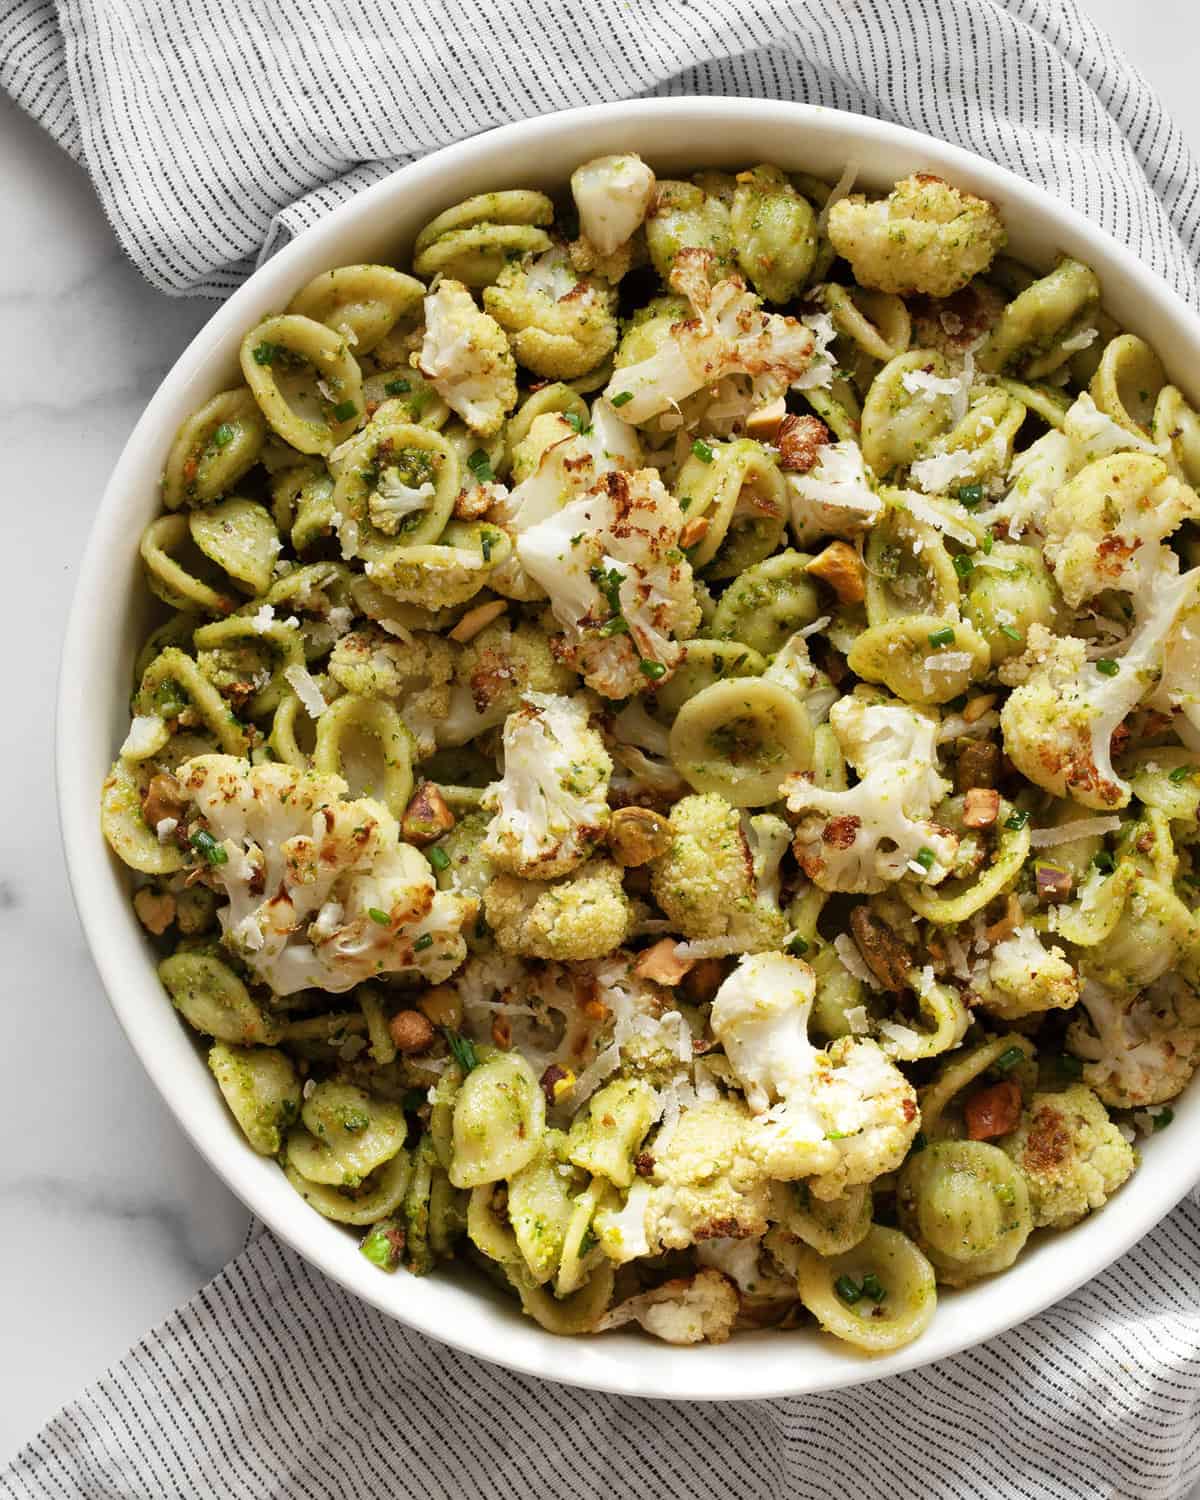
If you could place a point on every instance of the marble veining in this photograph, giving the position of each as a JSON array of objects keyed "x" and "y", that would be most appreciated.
[{"x": 110, "y": 1217}]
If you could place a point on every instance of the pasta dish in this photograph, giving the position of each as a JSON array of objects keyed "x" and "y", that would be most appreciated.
[{"x": 669, "y": 760}]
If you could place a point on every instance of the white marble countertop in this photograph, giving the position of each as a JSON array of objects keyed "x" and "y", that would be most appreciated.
[{"x": 111, "y": 1218}]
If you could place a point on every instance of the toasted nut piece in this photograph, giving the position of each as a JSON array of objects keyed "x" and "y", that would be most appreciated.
[
  {"x": 978, "y": 765},
  {"x": 163, "y": 798},
  {"x": 637, "y": 835},
  {"x": 1053, "y": 884},
  {"x": 443, "y": 1006},
  {"x": 1013, "y": 916},
  {"x": 976, "y": 707},
  {"x": 798, "y": 441},
  {"x": 764, "y": 423},
  {"x": 556, "y": 1082},
  {"x": 475, "y": 619},
  {"x": 473, "y": 503},
  {"x": 883, "y": 952},
  {"x": 842, "y": 569},
  {"x": 981, "y": 807},
  {"x": 502, "y": 1032},
  {"x": 661, "y": 964},
  {"x": 595, "y": 1010},
  {"x": 993, "y": 1111},
  {"x": 155, "y": 909},
  {"x": 694, "y": 530},
  {"x": 643, "y": 1164},
  {"x": 426, "y": 817},
  {"x": 704, "y": 980},
  {"x": 411, "y": 1031}
]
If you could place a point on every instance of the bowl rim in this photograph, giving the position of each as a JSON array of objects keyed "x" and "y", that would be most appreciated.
[{"x": 705, "y": 1372}]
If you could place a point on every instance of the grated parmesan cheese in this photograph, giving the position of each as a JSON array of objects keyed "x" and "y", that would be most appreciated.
[
  {"x": 842, "y": 188},
  {"x": 164, "y": 828},
  {"x": 262, "y": 621},
  {"x": 937, "y": 473},
  {"x": 917, "y": 505},
  {"x": 848, "y": 951},
  {"x": 1067, "y": 833},
  {"x": 304, "y": 685}
]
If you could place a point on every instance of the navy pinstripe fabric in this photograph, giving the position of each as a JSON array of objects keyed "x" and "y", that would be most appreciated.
[
  {"x": 216, "y": 129},
  {"x": 274, "y": 1382}
]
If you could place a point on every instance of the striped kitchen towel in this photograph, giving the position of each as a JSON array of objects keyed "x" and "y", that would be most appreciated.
[{"x": 216, "y": 129}]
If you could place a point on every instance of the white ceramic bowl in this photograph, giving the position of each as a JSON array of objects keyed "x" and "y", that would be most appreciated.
[{"x": 107, "y": 624}]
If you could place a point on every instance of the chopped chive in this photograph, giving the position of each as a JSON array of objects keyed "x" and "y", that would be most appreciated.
[
  {"x": 398, "y": 387},
  {"x": 988, "y": 540},
  {"x": 265, "y": 354},
  {"x": 1070, "y": 1065},
  {"x": 423, "y": 942},
  {"x": 943, "y": 637},
  {"x": 970, "y": 494},
  {"x": 1107, "y": 666},
  {"x": 925, "y": 858},
  {"x": 462, "y": 1048},
  {"x": 963, "y": 565},
  {"x": 618, "y": 625},
  {"x": 621, "y": 398},
  {"x": 652, "y": 669},
  {"x": 1017, "y": 820},
  {"x": 848, "y": 1290},
  {"x": 438, "y": 858},
  {"x": 1008, "y": 1059},
  {"x": 344, "y": 410},
  {"x": 223, "y": 436},
  {"x": 574, "y": 421},
  {"x": 1163, "y": 1118},
  {"x": 576, "y": 539},
  {"x": 702, "y": 451},
  {"x": 797, "y": 946},
  {"x": 379, "y": 916},
  {"x": 685, "y": 503},
  {"x": 1013, "y": 635},
  {"x": 486, "y": 542},
  {"x": 481, "y": 466},
  {"x": 1180, "y": 773},
  {"x": 1104, "y": 862},
  {"x": 873, "y": 1287},
  {"x": 203, "y": 843}
]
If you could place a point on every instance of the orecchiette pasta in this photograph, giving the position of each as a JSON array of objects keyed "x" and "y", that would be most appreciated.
[{"x": 670, "y": 747}]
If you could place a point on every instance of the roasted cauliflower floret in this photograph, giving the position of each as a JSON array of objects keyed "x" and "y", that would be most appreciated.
[
  {"x": 560, "y": 324},
  {"x": 612, "y": 195},
  {"x": 1071, "y": 1154},
  {"x": 586, "y": 915},
  {"x": 839, "y": 1117},
  {"x": 689, "y": 1310},
  {"x": 321, "y": 892},
  {"x": 415, "y": 676},
  {"x": 1138, "y": 1050},
  {"x": 1021, "y": 977},
  {"x": 618, "y": 581},
  {"x": 466, "y": 358},
  {"x": 728, "y": 334},
  {"x": 925, "y": 236},
  {"x": 720, "y": 876},
  {"x": 551, "y": 806},
  {"x": 493, "y": 671},
  {"x": 1058, "y": 723},
  {"x": 1106, "y": 527},
  {"x": 834, "y": 497},
  {"x": 704, "y": 1183},
  {"x": 880, "y": 830}
]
